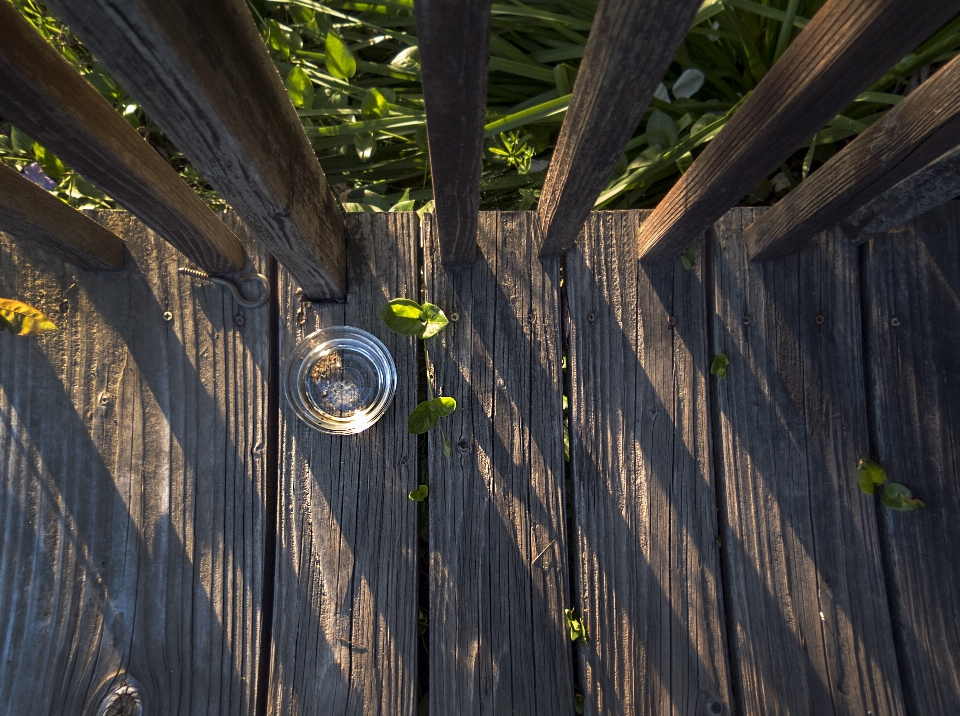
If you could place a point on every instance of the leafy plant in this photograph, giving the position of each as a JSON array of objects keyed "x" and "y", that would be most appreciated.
[
  {"x": 419, "y": 494},
  {"x": 871, "y": 475},
  {"x": 575, "y": 624},
  {"x": 23, "y": 320},
  {"x": 409, "y": 318},
  {"x": 719, "y": 365}
]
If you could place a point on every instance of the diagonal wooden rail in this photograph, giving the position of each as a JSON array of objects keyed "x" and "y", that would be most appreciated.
[
  {"x": 454, "y": 49},
  {"x": 630, "y": 46},
  {"x": 29, "y": 212},
  {"x": 202, "y": 72},
  {"x": 846, "y": 46},
  {"x": 42, "y": 94},
  {"x": 921, "y": 128}
]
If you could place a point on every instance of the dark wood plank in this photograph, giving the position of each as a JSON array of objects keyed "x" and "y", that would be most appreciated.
[
  {"x": 630, "y": 46},
  {"x": 31, "y": 214},
  {"x": 921, "y": 128},
  {"x": 913, "y": 343},
  {"x": 454, "y": 41},
  {"x": 345, "y": 608},
  {"x": 645, "y": 501},
  {"x": 806, "y": 598},
  {"x": 42, "y": 94},
  {"x": 201, "y": 72},
  {"x": 847, "y": 45},
  {"x": 131, "y": 486},
  {"x": 935, "y": 184},
  {"x": 498, "y": 549}
]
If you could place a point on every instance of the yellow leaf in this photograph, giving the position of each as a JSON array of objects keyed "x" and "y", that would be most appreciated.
[{"x": 22, "y": 319}]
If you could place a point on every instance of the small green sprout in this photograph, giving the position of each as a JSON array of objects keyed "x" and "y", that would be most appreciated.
[
  {"x": 871, "y": 475},
  {"x": 577, "y": 629},
  {"x": 719, "y": 366}
]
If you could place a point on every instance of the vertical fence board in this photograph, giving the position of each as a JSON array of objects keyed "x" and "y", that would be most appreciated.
[
  {"x": 29, "y": 213},
  {"x": 498, "y": 550},
  {"x": 630, "y": 46},
  {"x": 131, "y": 484},
  {"x": 921, "y": 128},
  {"x": 645, "y": 503},
  {"x": 912, "y": 299},
  {"x": 802, "y": 564},
  {"x": 847, "y": 45},
  {"x": 345, "y": 607},
  {"x": 454, "y": 41},
  {"x": 201, "y": 71},
  {"x": 43, "y": 95}
]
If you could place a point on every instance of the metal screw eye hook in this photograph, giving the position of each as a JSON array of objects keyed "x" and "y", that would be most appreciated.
[{"x": 234, "y": 289}]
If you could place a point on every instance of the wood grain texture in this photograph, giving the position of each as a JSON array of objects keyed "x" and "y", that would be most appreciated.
[
  {"x": 131, "y": 486},
  {"x": 31, "y": 214},
  {"x": 912, "y": 134},
  {"x": 454, "y": 38},
  {"x": 935, "y": 184},
  {"x": 43, "y": 95},
  {"x": 202, "y": 73},
  {"x": 345, "y": 607},
  {"x": 498, "y": 549},
  {"x": 630, "y": 46},
  {"x": 806, "y": 598},
  {"x": 645, "y": 501},
  {"x": 912, "y": 300},
  {"x": 847, "y": 45}
]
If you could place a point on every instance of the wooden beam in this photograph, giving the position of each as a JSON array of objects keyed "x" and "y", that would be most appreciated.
[
  {"x": 454, "y": 40},
  {"x": 847, "y": 45},
  {"x": 42, "y": 94},
  {"x": 201, "y": 71},
  {"x": 630, "y": 47},
  {"x": 911, "y": 135},
  {"x": 28, "y": 212},
  {"x": 935, "y": 184}
]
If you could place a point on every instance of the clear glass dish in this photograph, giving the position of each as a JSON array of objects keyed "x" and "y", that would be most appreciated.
[{"x": 340, "y": 380}]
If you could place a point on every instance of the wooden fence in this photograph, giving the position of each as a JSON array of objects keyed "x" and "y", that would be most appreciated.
[{"x": 202, "y": 73}]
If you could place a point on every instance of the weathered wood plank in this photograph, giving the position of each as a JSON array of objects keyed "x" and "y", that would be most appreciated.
[
  {"x": 498, "y": 550},
  {"x": 131, "y": 486},
  {"x": 645, "y": 501},
  {"x": 935, "y": 184},
  {"x": 201, "y": 72},
  {"x": 345, "y": 607},
  {"x": 31, "y": 214},
  {"x": 42, "y": 94},
  {"x": 454, "y": 49},
  {"x": 921, "y": 128},
  {"x": 802, "y": 564},
  {"x": 630, "y": 46},
  {"x": 847, "y": 45},
  {"x": 913, "y": 344}
]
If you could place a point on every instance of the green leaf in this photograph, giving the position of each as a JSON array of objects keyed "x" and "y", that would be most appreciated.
[
  {"x": 403, "y": 316},
  {"x": 900, "y": 498},
  {"x": 419, "y": 494},
  {"x": 407, "y": 59},
  {"x": 339, "y": 59},
  {"x": 405, "y": 203},
  {"x": 374, "y": 105},
  {"x": 365, "y": 144},
  {"x": 300, "y": 88},
  {"x": 719, "y": 365},
  {"x": 575, "y": 624},
  {"x": 578, "y": 703},
  {"x": 704, "y": 120},
  {"x": 23, "y": 320},
  {"x": 447, "y": 449},
  {"x": 869, "y": 475},
  {"x": 276, "y": 39},
  {"x": 21, "y": 142},
  {"x": 426, "y": 415},
  {"x": 434, "y": 320},
  {"x": 661, "y": 129},
  {"x": 689, "y": 257},
  {"x": 688, "y": 84}
]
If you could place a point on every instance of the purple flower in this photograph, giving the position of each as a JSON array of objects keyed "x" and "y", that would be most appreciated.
[{"x": 34, "y": 173}]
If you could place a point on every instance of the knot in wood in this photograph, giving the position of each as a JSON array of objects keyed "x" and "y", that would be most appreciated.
[{"x": 123, "y": 701}]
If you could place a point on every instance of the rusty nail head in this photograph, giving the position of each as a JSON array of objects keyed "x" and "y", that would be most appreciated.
[
  {"x": 590, "y": 316},
  {"x": 746, "y": 320},
  {"x": 672, "y": 320},
  {"x": 454, "y": 317},
  {"x": 820, "y": 319},
  {"x": 238, "y": 320},
  {"x": 895, "y": 322}
]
